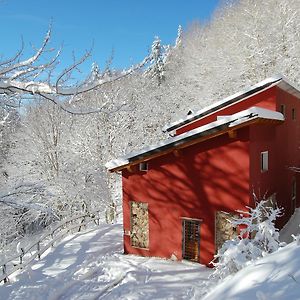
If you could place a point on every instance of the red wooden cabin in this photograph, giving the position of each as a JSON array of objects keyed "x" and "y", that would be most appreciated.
[{"x": 178, "y": 194}]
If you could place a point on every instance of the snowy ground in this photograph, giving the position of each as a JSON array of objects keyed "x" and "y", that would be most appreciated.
[
  {"x": 91, "y": 265},
  {"x": 291, "y": 227},
  {"x": 276, "y": 277}
]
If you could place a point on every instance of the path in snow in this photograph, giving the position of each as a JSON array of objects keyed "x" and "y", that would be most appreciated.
[{"x": 91, "y": 265}]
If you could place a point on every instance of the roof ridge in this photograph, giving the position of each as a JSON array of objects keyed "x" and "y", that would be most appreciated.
[{"x": 266, "y": 83}]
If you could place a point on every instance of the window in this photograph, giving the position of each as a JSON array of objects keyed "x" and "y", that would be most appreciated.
[
  {"x": 264, "y": 161},
  {"x": 144, "y": 166},
  {"x": 282, "y": 109},
  {"x": 293, "y": 114}
]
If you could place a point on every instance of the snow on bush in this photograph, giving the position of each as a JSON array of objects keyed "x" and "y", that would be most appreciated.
[{"x": 257, "y": 237}]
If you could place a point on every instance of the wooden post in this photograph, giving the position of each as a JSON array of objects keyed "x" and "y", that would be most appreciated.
[
  {"x": 52, "y": 237},
  {"x": 82, "y": 221},
  {"x": 177, "y": 153},
  {"x": 232, "y": 134},
  {"x": 21, "y": 256},
  {"x": 4, "y": 273},
  {"x": 129, "y": 169},
  {"x": 38, "y": 250}
]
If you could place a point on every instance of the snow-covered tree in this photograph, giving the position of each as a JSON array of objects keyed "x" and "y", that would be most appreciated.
[
  {"x": 159, "y": 55},
  {"x": 244, "y": 42},
  {"x": 64, "y": 154},
  {"x": 32, "y": 76},
  {"x": 257, "y": 237}
]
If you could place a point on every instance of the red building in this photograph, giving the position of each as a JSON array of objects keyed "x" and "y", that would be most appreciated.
[{"x": 179, "y": 194}]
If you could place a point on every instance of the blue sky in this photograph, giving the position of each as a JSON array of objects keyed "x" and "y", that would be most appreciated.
[{"x": 127, "y": 26}]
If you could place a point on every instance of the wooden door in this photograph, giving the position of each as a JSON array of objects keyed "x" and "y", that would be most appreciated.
[{"x": 191, "y": 239}]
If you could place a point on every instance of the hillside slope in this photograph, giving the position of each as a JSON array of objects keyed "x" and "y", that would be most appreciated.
[{"x": 90, "y": 265}]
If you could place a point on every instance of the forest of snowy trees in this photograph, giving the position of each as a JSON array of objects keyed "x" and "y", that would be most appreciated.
[{"x": 55, "y": 138}]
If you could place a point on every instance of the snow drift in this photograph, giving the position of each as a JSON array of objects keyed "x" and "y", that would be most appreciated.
[{"x": 276, "y": 276}]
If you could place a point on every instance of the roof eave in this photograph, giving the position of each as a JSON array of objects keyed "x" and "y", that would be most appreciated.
[{"x": 192, "y": 140}]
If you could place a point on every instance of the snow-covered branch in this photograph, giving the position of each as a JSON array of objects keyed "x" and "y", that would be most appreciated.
[{"x": 31, "y": 77}]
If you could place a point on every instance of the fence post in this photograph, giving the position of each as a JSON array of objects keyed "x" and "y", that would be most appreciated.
[
  {"x": 82, "y": 221},
  {"x": 52, "y": 237},
  {"x": 21, "y": 256},
  {"x": 38, "y": 250},
  {"x": 4, "y": 273}
]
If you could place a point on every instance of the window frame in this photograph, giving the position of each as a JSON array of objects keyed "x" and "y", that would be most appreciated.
[
  {"x": 294, "y": 115},
  {"x": 264, "y": 161},
  {"x": 283, "y": 109},
  {"x": 144, "y": 166}
]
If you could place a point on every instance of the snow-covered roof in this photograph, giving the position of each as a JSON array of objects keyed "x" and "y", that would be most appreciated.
[
  {"x": 222, "y": 124},
  {"x": 278, "y": 80}
]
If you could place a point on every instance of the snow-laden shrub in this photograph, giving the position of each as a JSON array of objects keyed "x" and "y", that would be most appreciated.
[{"x": 257, "y": 237}]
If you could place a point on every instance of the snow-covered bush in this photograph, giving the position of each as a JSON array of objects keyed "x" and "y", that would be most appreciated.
[{"x": 257, "y": 237}]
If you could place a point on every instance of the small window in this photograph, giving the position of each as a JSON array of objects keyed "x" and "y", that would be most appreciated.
[
  {"x": 264, "y": 161},
  {"x": 144, "y": 166},
  {"x": 282, "y": 109},
  {"x": 293, "y": 114}
]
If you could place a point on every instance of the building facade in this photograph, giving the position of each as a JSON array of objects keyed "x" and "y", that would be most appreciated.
[{"x": 178, "y": 195}]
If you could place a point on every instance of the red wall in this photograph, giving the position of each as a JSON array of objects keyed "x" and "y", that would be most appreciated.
[
  {"x": 283, "y": 143},
  {"x": 207, "y": 177},
  {"x": 287, "y": 152},
  {"x": 263, "y": 138},
  {"x": 219, "y": 174},
  {"x": 265, "y": 99}
]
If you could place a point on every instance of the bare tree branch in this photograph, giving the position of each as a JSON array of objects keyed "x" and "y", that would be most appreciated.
[{"x": 25, "y": 77}]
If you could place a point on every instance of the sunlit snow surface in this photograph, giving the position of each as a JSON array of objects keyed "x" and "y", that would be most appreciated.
[
  {"x": 91, "y": 265},
  {"x": 274, "y": 277},
  {"x": 292, "y": 227}
]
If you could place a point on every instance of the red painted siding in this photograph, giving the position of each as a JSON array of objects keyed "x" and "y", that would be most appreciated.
[
  {"x": 207, "y": 177},
  {"x": 263, "y": 138},
  {"x": 265, "y": 99},
  {"x": 287, "y": 151},
  {"x": 219, "y": 174},
  {"x": 283, "y": 144}
]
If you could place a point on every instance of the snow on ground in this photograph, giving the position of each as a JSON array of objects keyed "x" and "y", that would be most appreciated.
[
  {"x": 291, "y": 227},
  {"x": 91, "y": 265},
  {"x": 276, "y": 277}
]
